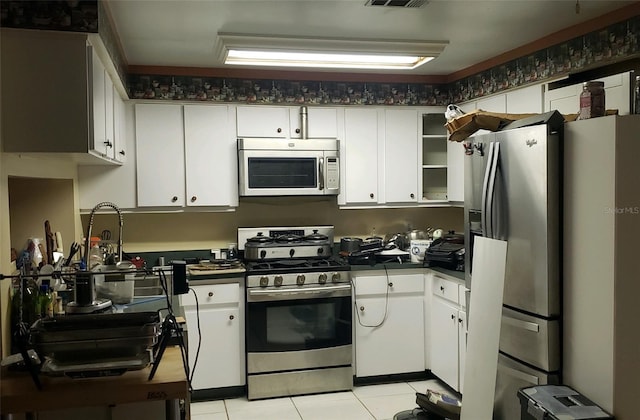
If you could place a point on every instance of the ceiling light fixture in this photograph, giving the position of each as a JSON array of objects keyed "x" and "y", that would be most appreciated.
[{"x": 335, "y": 53}]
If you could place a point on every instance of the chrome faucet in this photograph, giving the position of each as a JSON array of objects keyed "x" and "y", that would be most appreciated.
[{"x": 87, "y": 243}]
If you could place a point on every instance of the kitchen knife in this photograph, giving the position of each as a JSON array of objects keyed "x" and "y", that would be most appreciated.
[{"x": 49, "y": 242}]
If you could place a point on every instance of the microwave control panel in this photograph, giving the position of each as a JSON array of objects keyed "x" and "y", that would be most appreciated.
[{"x": 332, "y": 174}]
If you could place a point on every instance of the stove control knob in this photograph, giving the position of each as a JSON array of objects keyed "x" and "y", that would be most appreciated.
[
  {"x": 320, "y": 251},
  {"x": 277, "y": 281},
  {"x": 291, "y": 252},
  {"x": 336, "y": 277},
  {"x": 300, "y": 279},
  {"x": 264, "y": 281},
  {"x": 322, "y": 278},
  {"x": 263, "y": 254}
]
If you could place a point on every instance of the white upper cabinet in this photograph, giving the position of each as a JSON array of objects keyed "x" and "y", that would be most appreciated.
[
  {"x": 186, "y": 156},
  {"x": 103, "y": 141},
  {"x": 115, "y": 184},
  {"x": 119, "y": 127},
  {"x": 286, "y": 122},
  {"x": 359, "y": 154},
  {"x": 210, "y": 156},
  {"x": 160, "y": 171},
  {"x": 526, "y": 100},
  {"x": 401, "y": 156},
  {"x": 496, "y": 103},
  {"x": 455, "y": 171},
  {"x": 262, "y": 121},
  {"x": 322, "y": 123},
  {"x": 70, "y": 112},
  {"x": 567, "y": 99}
]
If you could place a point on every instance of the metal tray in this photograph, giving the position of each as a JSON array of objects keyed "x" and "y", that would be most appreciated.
[
  {"x": 96, "y": 368},
  {"x": 96, "y": 337}
]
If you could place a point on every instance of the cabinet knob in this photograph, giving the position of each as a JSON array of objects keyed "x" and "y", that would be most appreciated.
[
  {"x": 362, "y": 309},
  {"x": 122, "y": 152},
  {"x": 297, "y": 131},
  {"x": 453, "y": 316},
  {"x": 460, "y": 320},
  {"x": 210, "y": 294},
  {"x": 390, "y": 284},
  {"x": 193, "y": 199},
  {"x": 412, "y": 195},
  {"x": 174, "y": 198},
  {"x": 279, "y": 130},
  {"x": 231, "y": 317},
  {"x": 371, "y": 195},
  {"x": 442, "y": 288},
  {"x": 108, "y": 143}
]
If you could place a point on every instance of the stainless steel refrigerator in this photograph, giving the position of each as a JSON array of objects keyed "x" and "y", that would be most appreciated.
[{"x": 513, "y": 193}]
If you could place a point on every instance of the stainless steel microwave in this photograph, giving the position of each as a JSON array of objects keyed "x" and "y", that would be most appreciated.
[{"x": 274, "y": 167}]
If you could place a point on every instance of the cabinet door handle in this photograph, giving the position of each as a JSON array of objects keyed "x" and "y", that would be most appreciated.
[
  {"x": 122, "y": 152},
  {"x": 460, "y": 320},
  {"x": 193, "y": 199},
  {"x": 231, "y": 317},
  {"x": 371, "y": 195},
  {"x": 297, "y": 131},
  {"x": 453, "y": 316},
  {"x": 412, "y": 195},
  {"x": 174, "y": 198},
  {"x": 210, "y": 294},
  {"x": 108, "y": 143},
  {"x": 442, "y": 288},
  {"x": 279, "y": 130},
  {"x": 362, "y": 309},
  {"x": 390, "y": 284}
]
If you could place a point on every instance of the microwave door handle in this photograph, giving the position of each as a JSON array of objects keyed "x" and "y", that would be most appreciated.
[
  {"x": 486, "y": 229},
  {"x": 321, "y": 173}
]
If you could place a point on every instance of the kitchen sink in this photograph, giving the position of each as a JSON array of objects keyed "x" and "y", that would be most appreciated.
[{"x": 148, "y": 285}]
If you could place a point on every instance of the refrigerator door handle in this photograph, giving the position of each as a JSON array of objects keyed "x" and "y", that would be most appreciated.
[
  {"x": 491, "y": 190},
  {"x": 525, "y": 325},
  {"x": 484, "y": 220},
  {"x": 534, "y": 380}
]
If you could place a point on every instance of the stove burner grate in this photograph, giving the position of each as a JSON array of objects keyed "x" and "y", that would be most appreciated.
[{"x": 292, "y": 264}]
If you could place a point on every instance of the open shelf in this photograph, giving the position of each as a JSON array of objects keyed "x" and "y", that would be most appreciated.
[{"x": 434, "y": 157}]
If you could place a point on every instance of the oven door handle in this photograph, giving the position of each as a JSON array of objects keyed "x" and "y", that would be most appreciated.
[{"x": 261, "y": 295}]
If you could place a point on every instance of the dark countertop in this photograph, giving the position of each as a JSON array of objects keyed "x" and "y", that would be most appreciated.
[{"x": 459, "y": 275}]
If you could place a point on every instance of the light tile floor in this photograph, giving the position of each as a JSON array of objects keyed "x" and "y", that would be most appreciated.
[{"x": 370, "y": 402}]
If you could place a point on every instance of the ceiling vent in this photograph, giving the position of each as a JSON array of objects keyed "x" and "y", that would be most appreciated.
[{"x": 396, "y": 3}]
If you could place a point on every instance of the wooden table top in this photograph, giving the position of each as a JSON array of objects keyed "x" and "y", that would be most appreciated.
[{"x": 19, "y": 393}]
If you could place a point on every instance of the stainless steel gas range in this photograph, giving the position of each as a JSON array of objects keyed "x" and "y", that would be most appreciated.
[{"x": 299, "y": 314}]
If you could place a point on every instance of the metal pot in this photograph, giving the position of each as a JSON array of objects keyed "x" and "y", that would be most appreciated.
[
  {"x": 397, "y": 240},
  {"x": 349, "y": 245},
  {"x": 412, "y": 235},
  {"x": 371, "y": 243}
]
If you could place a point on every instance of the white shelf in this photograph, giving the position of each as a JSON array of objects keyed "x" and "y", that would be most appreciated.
[
  {"x": 434, "y": 166},
  {"x": 435, "y": 136}
]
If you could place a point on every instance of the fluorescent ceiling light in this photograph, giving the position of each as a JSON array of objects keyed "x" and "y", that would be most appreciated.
[{"x": 256, "y": 50}]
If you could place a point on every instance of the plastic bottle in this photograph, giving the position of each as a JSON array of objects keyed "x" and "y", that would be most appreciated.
[
  {"x": 44, "y": 301},
  {"x": 95, "y": 257},
  {"x": 232, "y": 251}
]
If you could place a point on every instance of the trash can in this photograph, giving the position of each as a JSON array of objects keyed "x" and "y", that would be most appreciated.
[{"x": 557, "y": 402}]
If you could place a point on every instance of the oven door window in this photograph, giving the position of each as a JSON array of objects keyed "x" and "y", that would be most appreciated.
[
  {"x": 274, "y": 172},
  {"x": 298, "y": 325}
]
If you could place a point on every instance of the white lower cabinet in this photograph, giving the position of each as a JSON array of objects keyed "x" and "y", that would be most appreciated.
[
  {"x": 448, "y": 332},
  {"x": 389, "y": 322},
  {"x": 221, "y": 317}
]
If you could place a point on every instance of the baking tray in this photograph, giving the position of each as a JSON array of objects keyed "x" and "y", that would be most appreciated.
[{"x": 96, "y": 336}]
